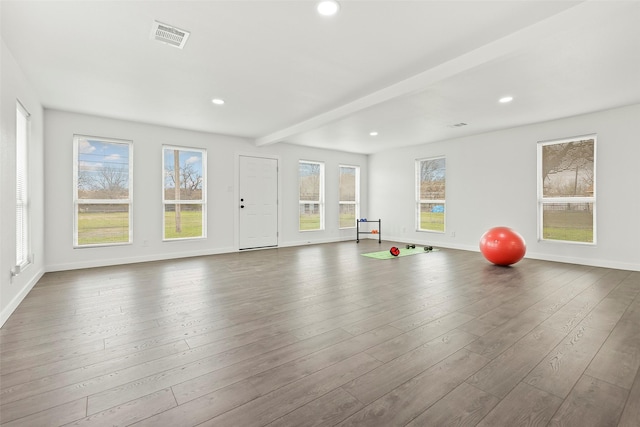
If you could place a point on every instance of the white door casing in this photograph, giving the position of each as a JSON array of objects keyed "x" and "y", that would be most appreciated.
[{"x": 258, "y": 202}]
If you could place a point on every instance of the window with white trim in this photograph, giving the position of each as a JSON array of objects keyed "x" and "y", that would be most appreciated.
[
  {"x": 566, "y": 190},
  {"x": 311, "y": 190},
  {"x": 430, "y": 194},
  {"x": 22, "y": 188},
  {"x": 184, "y": 192},
  {"x": 349, "y": 194},
  {"x": 103, "y": 191}
]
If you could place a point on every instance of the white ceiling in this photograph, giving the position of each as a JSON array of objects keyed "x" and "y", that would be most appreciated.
[{"x": 407, "y": 69}]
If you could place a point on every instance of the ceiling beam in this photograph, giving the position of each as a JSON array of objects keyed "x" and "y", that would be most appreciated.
[{"x": 586, "y": 12}]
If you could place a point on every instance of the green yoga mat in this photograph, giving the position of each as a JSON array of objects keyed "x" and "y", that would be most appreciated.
[{"x": 403, "y": 252}]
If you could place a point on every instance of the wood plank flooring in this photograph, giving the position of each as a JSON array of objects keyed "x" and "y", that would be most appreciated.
[{"x": 321, "y": 336}]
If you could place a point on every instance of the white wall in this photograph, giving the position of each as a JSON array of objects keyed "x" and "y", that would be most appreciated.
[
  {"x": 491, "y": 181},
  {"x": 13, "y": 86},
  {"x": 222, "y": 154}
]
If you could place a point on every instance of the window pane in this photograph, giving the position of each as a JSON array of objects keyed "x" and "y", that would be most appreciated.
[
  {"x": 22, "y": 195},
  {"x": 187, "y": 183},
  {"x": 309, "y": 174},
  {"x": 21, "y": 234},
  {"x": 568, "y": 169},
  {"x": 432, "y": 179},
  {"x": 347, "y": 215},
  {"x": 431, "y": 216},
  {"x": 347, "y": 184},
  {"x": 182, "y": 221},
  {"x": 103, "y": 224},
  {"x": 568, "y": 221},
  {"x": 309, "y": 216},
  {"x": 103, "y": 169}
]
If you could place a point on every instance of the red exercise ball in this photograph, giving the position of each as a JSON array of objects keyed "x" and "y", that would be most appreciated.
[{"x": 502, "y": 246}]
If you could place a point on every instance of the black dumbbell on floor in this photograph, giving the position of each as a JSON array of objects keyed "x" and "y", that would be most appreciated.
[{"x": 411, "y": 246}]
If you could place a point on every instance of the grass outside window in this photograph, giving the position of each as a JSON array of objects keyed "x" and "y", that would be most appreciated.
[
  {"x": 568, "y": 223},
  {"x": 100, "y": 227},
  {"x": 309, "y": 222},
  {"x": 432, "y": 217},
  {"x": 191, "y": 223}
]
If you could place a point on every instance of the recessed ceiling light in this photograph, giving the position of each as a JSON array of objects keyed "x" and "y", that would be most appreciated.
[
  {"x": 374, "y": 133},
  {"x": 328, "y": 7},
  {"x": 506, "y": 99},
  {"x": 217, "y": 101}
]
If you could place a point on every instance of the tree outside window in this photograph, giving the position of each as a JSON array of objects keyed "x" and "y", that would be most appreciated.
[
  {"x": 567, "y": 189},
  {"x": 430, "y": 189},
  {"x": 184, "y": 192},
  {"x": 349, "y": 193},
  {"x": 311, "y": 192},
  {"x": 103, "y": 190}
]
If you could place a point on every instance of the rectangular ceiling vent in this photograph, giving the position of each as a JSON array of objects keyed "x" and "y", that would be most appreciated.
[{"x": 170, "y": 35}]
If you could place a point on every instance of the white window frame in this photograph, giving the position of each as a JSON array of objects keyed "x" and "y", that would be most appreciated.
[
  {"x": 23, "y": 208},
  {"x": 551, "y": 200},
  {"x": 77, "y": 202},
  {"x": 420, "y": 201},
  {"x": 202, "y": 202},
  {"x": 357, "y": 191},
  {"x": 319, "y": 202}
]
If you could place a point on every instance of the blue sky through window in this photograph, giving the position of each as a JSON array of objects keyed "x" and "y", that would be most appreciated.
[
  {"x": 99, "y": 159},
  {"x": 93, "y": 154},
  {"x": 188, "y": 159}
]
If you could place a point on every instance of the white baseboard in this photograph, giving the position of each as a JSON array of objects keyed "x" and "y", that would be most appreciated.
[
  {"x": 137, "y": 259},
  {"x": 174, "y": 255},
  {"x": 532, "y": 255},
  {"x": 316, "y": 242},
  {"x": 15, "y": 302},
  {"x": 420, "y": 242},
  {"x": 592, "y": 262},
  {"x": 177, "y": 255}
]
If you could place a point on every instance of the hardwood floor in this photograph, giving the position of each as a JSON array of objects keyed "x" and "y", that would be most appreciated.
[{"x": 321, "y": 336}]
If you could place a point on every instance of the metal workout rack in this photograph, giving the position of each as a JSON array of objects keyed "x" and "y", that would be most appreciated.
[{"x": 358, "y": 232}]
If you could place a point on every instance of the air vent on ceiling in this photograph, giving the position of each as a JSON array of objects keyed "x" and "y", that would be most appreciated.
[
  {"x": 170, "y": 35},
  {"x": 458, "y": 125}
]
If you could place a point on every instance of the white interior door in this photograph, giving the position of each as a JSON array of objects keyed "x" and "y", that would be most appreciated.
[{"x": 258, "y": 204}]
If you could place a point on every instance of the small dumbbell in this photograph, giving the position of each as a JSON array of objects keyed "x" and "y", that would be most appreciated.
[{"x": 411, "y": 246}]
